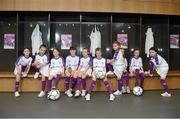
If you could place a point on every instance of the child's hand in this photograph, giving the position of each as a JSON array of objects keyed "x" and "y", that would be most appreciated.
[
  {"x": 37, "y": 64},
  {"x": 62, "y": 72},
  {"x": 151, "y": 75},
  {"x": 24, "y": 75},
  {"x": 73, "y": 72},
  {"x": 108, "y": 61},
  {"x": 67, "y": 73},
  {"x": 131, "y": 74},
  {"x": 82, "y": 73},
  {"x": 147, "y": 73},
  {"x": 33, "y": 64},
  {"x": 41, "y": 65}
]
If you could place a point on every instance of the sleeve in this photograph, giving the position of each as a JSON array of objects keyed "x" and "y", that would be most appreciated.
[
  {"x": 151, "y": 66},
  {"x": 30, "y": 61},
  {"x": 66, "y": 62},
  {"x": 126, "y": 63},
  {"x": 50, "y": 64},
  {"x": 115, "y": 55},
  {"x": 19, "y": 60},
  {"x": 156, "y": 60},
  {"x": 90, "y": 61},
  {"x": 130, "y": 62},
  {"x": 63, "y": 63},
  {"x": 94, "y": 63},
  {"x": 153, "y": 61},
  {"x": 35, "y": 58},
  {"x": 141, "y": 64},
  {"x": 104, "y": 65},
  {"x": 160, "y": 60},
  {"x": 78, "y": 61},
  {"x": 46, "y": 59}
]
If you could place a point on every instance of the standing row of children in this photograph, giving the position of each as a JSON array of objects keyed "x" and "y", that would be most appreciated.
[{"x": 75, "y": 70}]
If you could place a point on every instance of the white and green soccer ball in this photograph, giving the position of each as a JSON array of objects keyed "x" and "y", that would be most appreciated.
[
  {"x": 54, "y": 94},
  {"x": 100, "y": 74},
  {"x": 137, "y": 90}
]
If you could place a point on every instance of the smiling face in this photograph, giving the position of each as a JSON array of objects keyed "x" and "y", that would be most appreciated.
[
  {"x": 136, "y": 53},
  {"x": 73, "y": 52},
  {"x": 85, "y": 52},
  {"x": 56, "y": 53},
  {"x": 152, "y": 53},
  {"x": 26, "y": 52},
  {"x": 115, "y": 46},
  {"x": 98, "y": 54},
  {"x": 42, "y": 50}
]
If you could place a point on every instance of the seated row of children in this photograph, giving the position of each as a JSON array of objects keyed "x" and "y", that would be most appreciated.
[{"x": 75, "y": 70}]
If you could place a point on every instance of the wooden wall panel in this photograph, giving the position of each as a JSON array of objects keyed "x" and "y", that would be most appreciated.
[
  {"x": 96, "y": 5},
  {"x": 169, "y": 7},
  {"x": 7, "y": 5},
  {"x": 30, "y": 5},
  {"x": 7, "y": 84},
  {"x": 141, "y": 6},
  {"x": 63, "y": 5}
]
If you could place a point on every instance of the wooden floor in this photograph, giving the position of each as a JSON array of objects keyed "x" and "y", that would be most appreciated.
[{"x": 29, "y": 84}]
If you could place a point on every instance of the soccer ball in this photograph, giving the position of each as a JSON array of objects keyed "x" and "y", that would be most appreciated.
[
  {"x": 54, "y": 94},
  {"x": 137, "y": 91},
  {"x": 100, "y": 74}
]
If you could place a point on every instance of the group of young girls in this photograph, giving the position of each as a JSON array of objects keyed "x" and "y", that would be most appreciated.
[{"x": 75, "y": 70}]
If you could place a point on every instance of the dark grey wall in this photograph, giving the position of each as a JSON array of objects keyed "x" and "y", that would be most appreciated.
[{"x": 80, "y": 26}]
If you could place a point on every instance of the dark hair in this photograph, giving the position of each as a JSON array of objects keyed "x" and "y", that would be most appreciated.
[
  {"x": 86, "y": 49},
  {"x": 56, "y": 49},
  {"x": 73, "y": 48},
  {"x": 117, "y": 42},
  {"x": 27, "y": 49},
  {"x": 43, "y": 45},
  {"x": 98, "y": 49},
  {"x": 154, "y": 49},
  {"x": 135, "y": 50}
]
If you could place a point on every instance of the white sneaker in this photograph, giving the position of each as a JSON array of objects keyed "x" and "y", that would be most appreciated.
[
  {"x": 110, "y": 73},
  {"x": 146, "y": 72},
  {"x": 83, "y": 93},
  {"x": 68, "y": 93},
  {"x": 117, "y": 92},
  {"x": 166, "y": 94},
  {"x": 70, "y": 89},
  {"x": 112, "y": 97},
  {"x": 128, "y": 90},
  {"x": 67, "y": 90},
  {"x": 78, "y": 93},
  {"x": 41, "y": 94},
  {"x": 123, "y": 89},
  {"x": 36, "y": 75},
  {"x": 16, "y": 94},
  {"x": 88, "y": 97}
]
